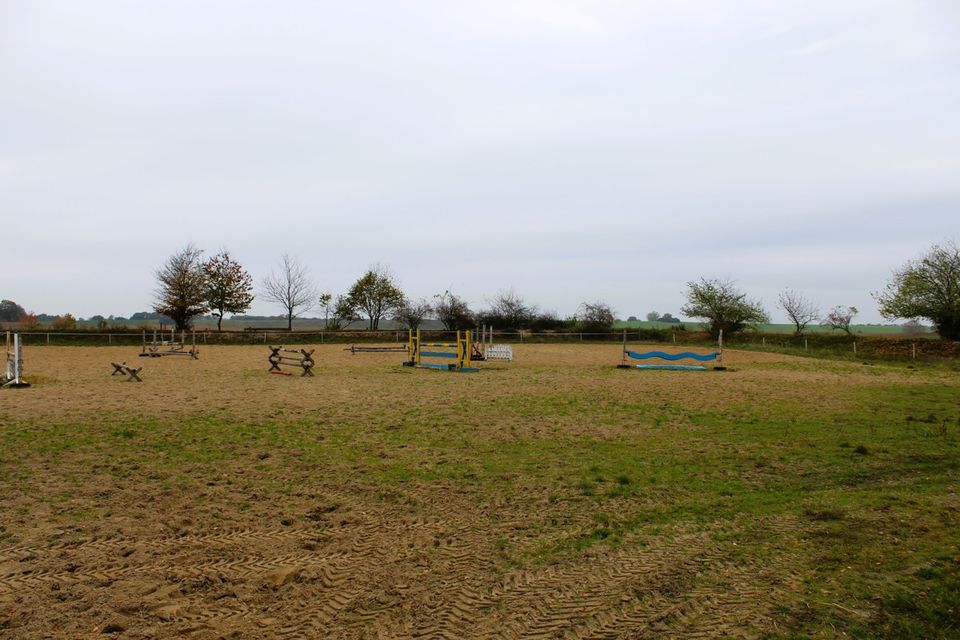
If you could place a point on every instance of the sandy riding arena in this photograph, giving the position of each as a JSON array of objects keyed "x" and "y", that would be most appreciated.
[{"x": 552, "y": 497}]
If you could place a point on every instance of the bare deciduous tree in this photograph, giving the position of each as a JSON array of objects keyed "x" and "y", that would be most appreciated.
[
  {"x": 291, "y": 288},
  {"x": 840, "y": 318},
  {"x": 798, "y": 308},
  {"x": 510, "y": 311},
  {"x": 412, "y": 312},
  {"x": 453, "y": 311}
]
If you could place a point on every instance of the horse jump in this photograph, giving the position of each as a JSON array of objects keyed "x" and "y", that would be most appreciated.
[
  {"x": 133, "y": 374},
  {"x": 462, "y": 353},
  {"x": 13, "y": 363},
  {"x": 484, "y": 349},
  {"x": 303, "y": 360},
  {"x": 701, "y": 357},
  {"x": 159, "y": 348}
]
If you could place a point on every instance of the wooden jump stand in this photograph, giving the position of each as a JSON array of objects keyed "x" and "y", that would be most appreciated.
[
  {"x": 303, "y": 360},
  {"x": 159, "y": 348},
  {"x": 133, "y": 374},
  {"x": 12, "y": 375},
  {"x": 701, "y": 357},
  {"x": 462, "y": 353}
]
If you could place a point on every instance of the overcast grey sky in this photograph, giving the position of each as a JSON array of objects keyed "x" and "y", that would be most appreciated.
[{"x": 573, "y": 151}]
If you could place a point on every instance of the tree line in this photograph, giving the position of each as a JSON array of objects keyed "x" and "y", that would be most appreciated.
[{"x": 189, "y": 286}]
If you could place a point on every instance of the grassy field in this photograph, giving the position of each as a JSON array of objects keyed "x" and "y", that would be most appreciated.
[{"x": 555, "y": 496}]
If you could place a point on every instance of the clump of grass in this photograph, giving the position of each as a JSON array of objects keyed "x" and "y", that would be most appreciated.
[
  {"x": 602, "y": 518},
  {"x": 623, "y": 479},
  {"x": 927, "y": 610},
  {"x": 824, "y": 515},
  {"x": 586, "y": 488},
  {"x": 862, "y": 450}
]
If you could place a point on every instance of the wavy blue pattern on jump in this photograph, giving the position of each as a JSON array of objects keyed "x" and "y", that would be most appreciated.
[{"x": 672, "y": 356}]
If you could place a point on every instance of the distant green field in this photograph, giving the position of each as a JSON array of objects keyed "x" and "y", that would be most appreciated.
[{"x": 860, "y": 329}]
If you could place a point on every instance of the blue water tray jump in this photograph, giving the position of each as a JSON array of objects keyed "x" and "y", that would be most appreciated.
[{"x": 673, "y": 357}]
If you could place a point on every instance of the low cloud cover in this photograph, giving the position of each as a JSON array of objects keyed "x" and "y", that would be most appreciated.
[{"x": 569, "y": 150}]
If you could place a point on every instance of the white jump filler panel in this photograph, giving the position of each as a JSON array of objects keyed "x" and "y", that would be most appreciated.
[{"x": 498, "y": 352}]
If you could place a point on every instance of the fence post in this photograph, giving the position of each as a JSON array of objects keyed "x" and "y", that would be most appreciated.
[
  {"x": 48, "y": 338},
  {"x": 914, "y": 345},
  {"x": 109, "y": 338},
  {"x": 264, "y": 337},
  {"x": 854, "y": 347},
  {"x": 763, "y": 340},
  {"x": 805, "y": 344}
]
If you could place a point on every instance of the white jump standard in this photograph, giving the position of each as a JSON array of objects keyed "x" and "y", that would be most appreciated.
[{"x": 13, "y": 363}]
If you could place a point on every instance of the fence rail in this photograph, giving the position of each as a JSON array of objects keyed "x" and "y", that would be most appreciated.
[{"x": 877, "y": 347}]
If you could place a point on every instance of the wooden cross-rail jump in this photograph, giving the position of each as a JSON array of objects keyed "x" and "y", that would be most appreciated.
[
  {"x": 304, "y": 360},
  {"x": 133, "y": 374}
]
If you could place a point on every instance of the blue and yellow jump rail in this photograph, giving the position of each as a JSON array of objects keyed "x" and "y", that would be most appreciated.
[
  {"x": 462, "y": 353},
  {"x": 672, "y": 357}
]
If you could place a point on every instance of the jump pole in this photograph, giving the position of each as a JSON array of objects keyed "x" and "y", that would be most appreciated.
[{"x": 722, "y": 366}]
